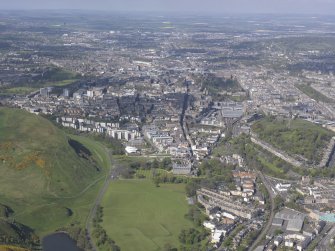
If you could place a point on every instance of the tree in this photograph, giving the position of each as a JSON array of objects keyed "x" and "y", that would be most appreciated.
[
  {"x": 279, "y": 202},
  {"x": 194, "y": 214},
  {"x": 155, "y": 164},
  {"x": 191, "y": 188},
  {"x": 156, "y": 181},
  {"x": 168, "y": 247},
  {"x": 126, "y": 173},
  {"x": 191, "y": 236},
  {"x": 148, "y": 165},
  {"x": 166, "y": 164},
  {"x": 278, "y": 232}
]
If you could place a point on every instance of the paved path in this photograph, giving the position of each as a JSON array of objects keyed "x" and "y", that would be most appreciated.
[{"x": 109, "y": 177}]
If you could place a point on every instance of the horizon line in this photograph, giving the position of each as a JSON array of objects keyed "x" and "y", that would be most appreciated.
[{"x": 166, "y": 12}]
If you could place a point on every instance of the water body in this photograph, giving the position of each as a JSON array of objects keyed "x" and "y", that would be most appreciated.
[{"x": 59, "y": 242}]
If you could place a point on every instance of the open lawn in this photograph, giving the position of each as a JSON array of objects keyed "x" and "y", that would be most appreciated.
[
  {"x": 149, "y": 173},
  {"x": 142, "y": 217}
]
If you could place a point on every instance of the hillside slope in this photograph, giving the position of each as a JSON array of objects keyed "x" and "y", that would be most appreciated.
[
  {"x": 43, "y": 171},
  {"x": 40, "y": 157}
]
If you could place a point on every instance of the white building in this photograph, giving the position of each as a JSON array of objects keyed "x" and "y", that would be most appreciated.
[
  {"x": 283, "y": 187},
  {"x": 131, "y": 150}
]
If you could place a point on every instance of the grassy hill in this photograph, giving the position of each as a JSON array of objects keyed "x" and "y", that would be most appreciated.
[
  {"x": 297, "y": 137},
  {"x": 40, "y": 156},
  {"x": 48, "y": 178}
]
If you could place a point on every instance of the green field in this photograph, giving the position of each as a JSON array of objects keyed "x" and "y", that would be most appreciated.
[
  {"x": 30, "y": 89},
  {"x": 19, "y": 90},
  {"x": 46, "y": 182},
  {"x": 142, "y": 217},
  {"x": 150, "y": 173},
  {"x": 52, "y": 77},
  {"x": 295, "y": 137}
]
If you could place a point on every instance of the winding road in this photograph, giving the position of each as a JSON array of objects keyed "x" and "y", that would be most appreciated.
[{"x": 109, "y": 177}]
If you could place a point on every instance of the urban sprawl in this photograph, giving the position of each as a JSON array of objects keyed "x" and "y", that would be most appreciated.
[{"x": 181, "y": 88}]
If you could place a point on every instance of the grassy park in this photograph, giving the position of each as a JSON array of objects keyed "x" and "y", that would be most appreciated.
[
  {"x": 140, "y": 216},
  {"x": 56, "y": 77},
  {"x": 295, "y": 137}
]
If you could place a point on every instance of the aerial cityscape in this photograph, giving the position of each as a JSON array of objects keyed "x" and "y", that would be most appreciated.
[{"x": 155, "y": 131}]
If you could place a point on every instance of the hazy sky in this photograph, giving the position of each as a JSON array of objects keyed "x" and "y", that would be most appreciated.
[{"x": 239, "y": 6}]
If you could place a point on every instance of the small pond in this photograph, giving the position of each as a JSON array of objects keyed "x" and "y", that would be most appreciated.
[{"x": 59, "y": 241}]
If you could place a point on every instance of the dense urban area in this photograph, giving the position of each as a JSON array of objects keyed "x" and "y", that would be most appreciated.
[{"x": 238, "y": 111}]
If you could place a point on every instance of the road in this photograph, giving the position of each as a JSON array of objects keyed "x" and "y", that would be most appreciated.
[
  {"x": 324, "y": 243},
  {"x": 182, "y": 120},
  {"x": 269, "y": 223},
  {"x": 109, "y": 177}
]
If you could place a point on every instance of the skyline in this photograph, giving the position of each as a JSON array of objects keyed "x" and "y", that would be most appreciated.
[{"x": 211, "y": 6}]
